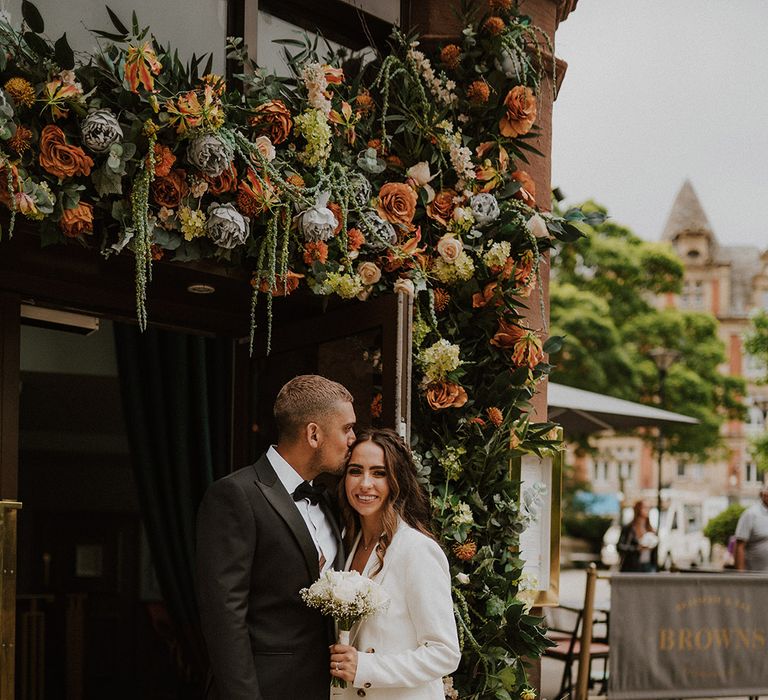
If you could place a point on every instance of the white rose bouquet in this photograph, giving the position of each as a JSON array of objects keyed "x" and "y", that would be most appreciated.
[{"x": 348, "y": 598}]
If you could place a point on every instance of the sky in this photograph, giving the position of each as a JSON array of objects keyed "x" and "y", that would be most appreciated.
[{"x": 660, "y": 91}]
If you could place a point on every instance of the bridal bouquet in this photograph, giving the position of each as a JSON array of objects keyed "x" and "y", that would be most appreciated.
[{"x": 348, "y": 598}]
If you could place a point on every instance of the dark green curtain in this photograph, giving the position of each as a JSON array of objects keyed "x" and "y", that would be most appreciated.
[{"x": 176, "y": 399}]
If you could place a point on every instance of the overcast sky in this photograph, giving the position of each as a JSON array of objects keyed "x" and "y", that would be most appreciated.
[{"x": 658, "y": 91}]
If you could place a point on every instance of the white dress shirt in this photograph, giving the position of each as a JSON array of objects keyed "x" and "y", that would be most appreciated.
[{"x": 317, "y": 524}]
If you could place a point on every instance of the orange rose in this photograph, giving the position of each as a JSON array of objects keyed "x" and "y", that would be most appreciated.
[
  {"x": 272, "y": 119},
  {"x": 397, "y": 204},
  {"x": 164, "y": 160},
  {"x": 281, "y": 288},
  {"x": 336, "y": 209},
  {"x": 75, "y": 222},
  {"x": 226, "y": 182},
  {"x": 527, "y": 191},
  {"x": 445, "y": 394},
  {"x": 521, "y": 112},
  {"x": 170, "y": 190},
  {"x": 60, "y": 158},
  {"x": 480, "y": 299},
  {"x": 441, "y": 207}
]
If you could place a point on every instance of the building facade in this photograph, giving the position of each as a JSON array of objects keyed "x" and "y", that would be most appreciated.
[{"x": 730, "y": 282}]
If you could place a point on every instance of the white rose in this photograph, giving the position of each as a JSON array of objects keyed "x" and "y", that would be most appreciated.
[
  {"x": 420, "y": 174},
  {"x": 485, "y": 208},
  {"x": 537, "y": 226},
  {"x": 369, "y": 272},
  {"x": 265, "y": 147},
  {"x": 318, "y": 222},
  {"x": 449, "y": 248},
  {"x": 404, "y": 286},
  {"x": 462, "y": 578}
]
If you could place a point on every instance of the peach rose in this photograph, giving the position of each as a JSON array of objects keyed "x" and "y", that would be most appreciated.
[
  {"x": 520, "y": 103},
  {"x": 441, "y": 207},
  {"x": 527, "y": 191},
  {"x": 60, "y": 158},
  {"x": 168, "y": 191},
  {"x": 369, "y": 273},
  {"x": 449, "y": 248},
  {"x": 445, "y": 394},
  {"x": 265, "y": 147},
  {"x": 273, "y": 119},
  {"x": 77, "y": 221},
  {"x": 397, "y": 204}
]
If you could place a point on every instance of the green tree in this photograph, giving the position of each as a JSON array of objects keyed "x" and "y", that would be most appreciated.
[
  {"x": 602, "y": 300},
  {"x": 756, "y": 344}
]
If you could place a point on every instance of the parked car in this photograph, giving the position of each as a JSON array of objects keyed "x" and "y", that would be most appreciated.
[{"x": 682, "y": 543}]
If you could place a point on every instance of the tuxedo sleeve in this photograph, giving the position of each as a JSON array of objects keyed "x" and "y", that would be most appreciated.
[
  {"x": 226, "y": 541},
  {"x": 427, "y": 581}
]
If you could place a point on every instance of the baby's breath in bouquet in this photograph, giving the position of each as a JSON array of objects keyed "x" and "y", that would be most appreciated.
[{"x": 348, "y": 598}]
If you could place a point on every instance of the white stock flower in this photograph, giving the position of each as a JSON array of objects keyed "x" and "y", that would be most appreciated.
[{"x": 404, "y": 286}]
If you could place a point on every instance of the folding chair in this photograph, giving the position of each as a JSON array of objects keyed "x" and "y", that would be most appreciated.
[{"x": 564, "y": 625}]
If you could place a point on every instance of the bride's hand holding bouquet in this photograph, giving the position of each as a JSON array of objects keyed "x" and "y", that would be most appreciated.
[{"x": 347, "y": 597}]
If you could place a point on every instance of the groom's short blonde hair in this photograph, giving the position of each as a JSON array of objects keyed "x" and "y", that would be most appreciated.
[{"x": 305, "y": 399}]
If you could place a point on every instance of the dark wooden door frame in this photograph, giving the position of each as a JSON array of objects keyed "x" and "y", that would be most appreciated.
[{"x": 10, "y": 372}]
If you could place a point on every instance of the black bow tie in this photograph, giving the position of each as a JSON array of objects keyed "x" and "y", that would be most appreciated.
[{"x": 311, "y": 493}]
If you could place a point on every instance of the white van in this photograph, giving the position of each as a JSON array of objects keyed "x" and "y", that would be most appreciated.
[{"x": 682, "y": 543}]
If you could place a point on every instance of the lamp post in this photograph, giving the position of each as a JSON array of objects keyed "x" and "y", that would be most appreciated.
[{"x": 663, "y": 358}]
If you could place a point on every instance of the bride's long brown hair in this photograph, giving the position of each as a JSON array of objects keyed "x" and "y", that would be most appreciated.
[{"x": 407, "y": 498}]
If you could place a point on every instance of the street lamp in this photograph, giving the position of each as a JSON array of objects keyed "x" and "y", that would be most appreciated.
[{"x": 663, "y": 358}]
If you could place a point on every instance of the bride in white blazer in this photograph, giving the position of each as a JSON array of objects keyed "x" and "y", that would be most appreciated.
[{"x": 403, "y": 652}]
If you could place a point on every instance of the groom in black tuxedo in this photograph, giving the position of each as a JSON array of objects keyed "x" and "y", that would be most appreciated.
[{"x": 263, "y": 533}]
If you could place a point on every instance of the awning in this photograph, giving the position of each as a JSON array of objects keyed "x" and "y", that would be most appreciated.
[{"x": 582, "y": 412}]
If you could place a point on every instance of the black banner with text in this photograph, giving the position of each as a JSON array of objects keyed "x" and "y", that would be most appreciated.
[{"x": 688, "y": 635}]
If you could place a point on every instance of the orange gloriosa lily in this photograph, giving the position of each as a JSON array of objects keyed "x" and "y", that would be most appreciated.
[{"x": 141, "y": 65}]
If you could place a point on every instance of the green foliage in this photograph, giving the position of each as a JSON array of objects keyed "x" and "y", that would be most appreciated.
[
  {"x": 587, "y": 527},
  {"x": 720, "y": 528},
  {"x": 601, "y": 302}
]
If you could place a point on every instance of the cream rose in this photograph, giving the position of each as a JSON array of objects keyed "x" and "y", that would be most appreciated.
[
  {"x": 265, "y": 147},
  {"x": 537, "y": 226},
  {"x": 369, "y": 273},
  {"x": 449, "y": 248}
]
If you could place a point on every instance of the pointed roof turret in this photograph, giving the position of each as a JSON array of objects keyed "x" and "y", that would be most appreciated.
[{"x": 687, "y": 215}]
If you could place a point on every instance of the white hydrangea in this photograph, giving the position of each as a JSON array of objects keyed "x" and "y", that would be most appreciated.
[{"x": 498, "y": 253}]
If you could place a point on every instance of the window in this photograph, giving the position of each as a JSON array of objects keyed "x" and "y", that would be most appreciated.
[
  {"x": 681, "y": 465},
  {"x": 601, "y": 470},
  {"x": 752, "y": 474}
]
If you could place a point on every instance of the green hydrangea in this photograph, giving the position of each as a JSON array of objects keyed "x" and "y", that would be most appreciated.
[{"x": 461, "y": 270}]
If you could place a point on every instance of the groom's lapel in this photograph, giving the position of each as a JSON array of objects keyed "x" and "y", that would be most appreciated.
[
  {"x": 282, "y": 502},
  {"x": 331, "y": 515}
]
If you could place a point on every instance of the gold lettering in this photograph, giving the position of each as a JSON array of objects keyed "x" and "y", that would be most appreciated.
[
  {"x": 743, "y": 637},
  {"x": 758, "y": 639},
  {"x": 685, "y": 638},
  {"x": 703, "y": 638},
  {"x": 666, "y": 639},
  {"x": 723, "y": 637}
]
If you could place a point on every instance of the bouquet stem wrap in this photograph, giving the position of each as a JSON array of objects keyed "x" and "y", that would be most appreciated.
[{"x": 342, "y": 638}]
